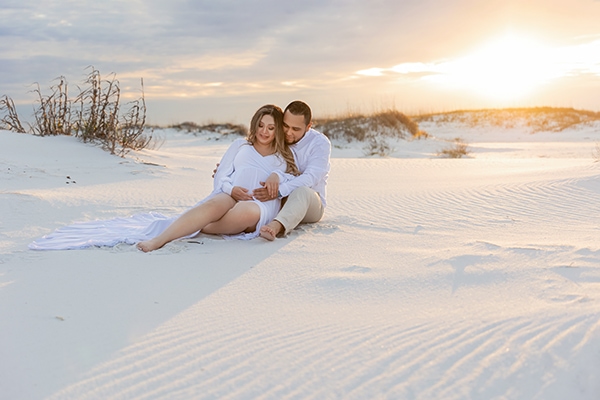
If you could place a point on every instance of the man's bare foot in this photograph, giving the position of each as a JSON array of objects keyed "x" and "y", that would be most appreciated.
[
  {"x": 271, "y": 230},
  {"x": 149, "y": 245}
]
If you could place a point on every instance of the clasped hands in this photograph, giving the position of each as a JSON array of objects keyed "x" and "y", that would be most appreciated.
[{"x": 267, "y": 192}]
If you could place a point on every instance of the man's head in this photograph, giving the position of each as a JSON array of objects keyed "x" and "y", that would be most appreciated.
[{"x": 297, "y": 120}]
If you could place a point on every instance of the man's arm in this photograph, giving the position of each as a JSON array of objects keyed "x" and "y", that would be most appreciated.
[
  {"x": 318, "y": 167},
  {"x": 270, "y": 188},
  {"x": 316, "y": 170}
]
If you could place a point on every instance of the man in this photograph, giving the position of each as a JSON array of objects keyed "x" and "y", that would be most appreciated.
[{"x": 304, "y": 197}]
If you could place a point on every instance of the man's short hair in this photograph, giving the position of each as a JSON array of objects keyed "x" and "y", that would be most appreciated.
[{"x": 298, "y": 107}]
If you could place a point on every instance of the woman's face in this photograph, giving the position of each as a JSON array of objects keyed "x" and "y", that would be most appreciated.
[{"x": 265, "y": 133}]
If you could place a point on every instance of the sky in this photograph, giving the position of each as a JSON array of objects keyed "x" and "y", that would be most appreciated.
[{"x": 219, "y": 61}]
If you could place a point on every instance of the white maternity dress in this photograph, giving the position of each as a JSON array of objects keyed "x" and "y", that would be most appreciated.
[{"x": 241, "y": 166}]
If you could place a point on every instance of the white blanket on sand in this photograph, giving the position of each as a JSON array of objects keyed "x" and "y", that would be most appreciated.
[{"x": 241, "y": 166}]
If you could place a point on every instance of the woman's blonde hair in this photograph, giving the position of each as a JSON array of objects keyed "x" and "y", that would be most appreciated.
[{"x": 279, "y": 144}]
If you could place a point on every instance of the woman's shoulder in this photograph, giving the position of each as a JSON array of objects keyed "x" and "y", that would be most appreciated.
[
  {"x": 237, "y": 145},
  {"x": 240, "y": 141}
]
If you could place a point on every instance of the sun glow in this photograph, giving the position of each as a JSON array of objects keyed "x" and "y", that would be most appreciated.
[
  {"x": 507, "y": 68},
  {"x": 511, "y": 69}
]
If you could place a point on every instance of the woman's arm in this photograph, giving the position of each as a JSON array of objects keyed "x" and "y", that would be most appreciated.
[{"x": 223, "y": 181}]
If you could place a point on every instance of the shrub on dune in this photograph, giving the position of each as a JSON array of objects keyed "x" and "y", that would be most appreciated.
[
  {"x": 457, "y": 150},
  {"x": 374, "y": 130},
  {"x": 391, "y": 123},
  {"x": 534, "y": 119},
  {"x": 223, "y": 129}
]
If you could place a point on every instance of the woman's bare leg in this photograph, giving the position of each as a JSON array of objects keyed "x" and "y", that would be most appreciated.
[
  {"x": 243, "y": 217},
  {"x": 191, "y": 221}
]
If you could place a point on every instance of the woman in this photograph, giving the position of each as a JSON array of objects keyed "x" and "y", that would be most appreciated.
[{"x": 230, "y": 209}]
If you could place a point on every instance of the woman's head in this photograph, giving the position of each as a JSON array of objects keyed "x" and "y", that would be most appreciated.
[{"x": 274, "y": 122}]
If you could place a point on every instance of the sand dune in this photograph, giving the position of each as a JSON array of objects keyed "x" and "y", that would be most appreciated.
[{"x": 472, "y": 278}]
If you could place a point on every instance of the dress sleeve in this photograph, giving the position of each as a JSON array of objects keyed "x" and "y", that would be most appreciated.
[{"x": 223, "y": 181}]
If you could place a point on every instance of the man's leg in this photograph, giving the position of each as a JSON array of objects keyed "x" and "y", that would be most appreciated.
[{"x": 303, "y": 205}]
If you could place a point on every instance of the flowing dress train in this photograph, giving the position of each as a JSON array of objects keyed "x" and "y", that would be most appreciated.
[{"x": 241, "y": 165}]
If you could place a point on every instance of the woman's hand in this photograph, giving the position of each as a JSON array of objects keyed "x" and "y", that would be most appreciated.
[
  {"x": 240, "y": 194},
  {"x": 272, "y": 185}
]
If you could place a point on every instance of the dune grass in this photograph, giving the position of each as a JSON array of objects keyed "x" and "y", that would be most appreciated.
[
  {"x": 537, "y": 119},
  {"x": 458, "y": 149},
  {"x": 223, "y": 129},
  {"x": 390, "y": 123},
  {"x": 94, "y": 115},
  {"x": 10, "y": 121},
  {"x": 375, "y": 130}
]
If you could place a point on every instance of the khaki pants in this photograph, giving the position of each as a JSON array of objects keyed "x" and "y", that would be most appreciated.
[{"x": 302, "y": 206}]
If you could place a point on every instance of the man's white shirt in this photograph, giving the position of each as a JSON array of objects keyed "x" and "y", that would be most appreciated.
[{"x": 312, "y": 155}]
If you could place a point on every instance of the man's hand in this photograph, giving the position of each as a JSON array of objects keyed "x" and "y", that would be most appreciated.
[
  {"x": 269, "y": 189},
  {"x": 240, "y": 194},
  {"x": 272, "y": 185},
  {"x": 215, "y": 170}
]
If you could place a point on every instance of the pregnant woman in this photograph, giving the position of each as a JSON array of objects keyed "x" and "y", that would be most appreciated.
[{"x": 263, "y": 157}]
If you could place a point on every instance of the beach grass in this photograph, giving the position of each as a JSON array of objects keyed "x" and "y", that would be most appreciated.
[
  {"x": 93, "y": 115},
  {"x": 537, "y": 119}
]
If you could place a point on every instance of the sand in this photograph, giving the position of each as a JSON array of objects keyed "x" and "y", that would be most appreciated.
[{"x": 428, "y": 278}]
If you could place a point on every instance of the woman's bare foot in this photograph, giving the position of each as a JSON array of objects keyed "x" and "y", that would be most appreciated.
[
  {"x": 149, "y": 245},
  {"x": 271, "y": 230}
]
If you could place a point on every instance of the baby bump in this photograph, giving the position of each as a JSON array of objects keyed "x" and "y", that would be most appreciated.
[{"x": 249, "y": 178}]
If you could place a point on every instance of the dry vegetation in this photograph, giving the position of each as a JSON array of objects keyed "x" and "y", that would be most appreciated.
[
  {"x": 362, "y": 127},
  {"x": 458, "y": 149},
  {"x": 536, "y": 119},
  {"x": 94, "y": 115},
  {"x": 374, "y": 130},
  {"x": 222, "y": 129},
  {"x": 10, "y": 121},
  {"x": 596, "y": 153}
]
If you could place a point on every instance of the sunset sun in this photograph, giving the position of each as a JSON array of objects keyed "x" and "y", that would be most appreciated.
[{"x": 505, "y": 68}]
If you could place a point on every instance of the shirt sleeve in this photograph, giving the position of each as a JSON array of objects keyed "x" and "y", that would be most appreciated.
[
  {"x": 225, "y": 169},
  {"x": 283, "y": 176},
  {"x": 316, "y": 171}
]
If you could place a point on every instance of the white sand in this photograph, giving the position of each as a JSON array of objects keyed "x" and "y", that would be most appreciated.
[{"x": 428, "y": 278}]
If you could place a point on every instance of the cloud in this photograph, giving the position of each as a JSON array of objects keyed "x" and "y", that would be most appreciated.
[
  {"x": 508, "y": 61},
  {"x": 183, "y": 41},
  {"x": 253, "y": 48}
]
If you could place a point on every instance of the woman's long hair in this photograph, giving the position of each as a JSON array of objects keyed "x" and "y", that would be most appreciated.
[{"x": 279, "y": 144}]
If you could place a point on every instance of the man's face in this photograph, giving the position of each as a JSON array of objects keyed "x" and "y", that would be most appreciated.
[{"x": 294, "y": 127}]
